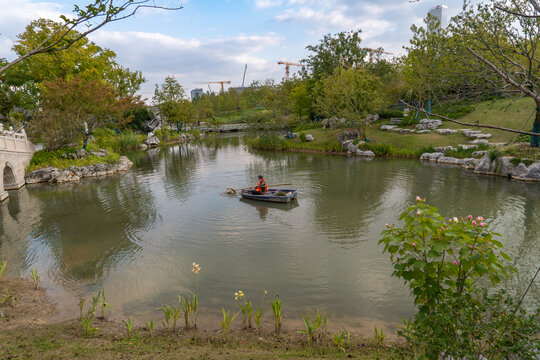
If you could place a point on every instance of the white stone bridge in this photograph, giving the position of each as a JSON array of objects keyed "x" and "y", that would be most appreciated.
[{"x": 15, "y": 154}]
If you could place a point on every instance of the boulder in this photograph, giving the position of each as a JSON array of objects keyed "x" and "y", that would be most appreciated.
[
  {"x": 479, "y": 153},
  {"x": 429, "y": 124},
  {"x": 309, "y": 137},
  {"x": 345, "y": 144},
  {"x": 423, "y": 132},
  {"x": 446, "y": 131},
  {"x": 334, "y": 123},
  {"x": 431, "y": 156},
  {"x": 39, "y": 176},
  {"x": 372, "y": 117},
  {"x": 469, "y": 163},
  {"x": 395, "y": 121},
  {"x": 520, "y": 170},
  {"x": 479, "y": 141},
  {"x": 348, "y": 135},
  {"x": 407, "y": 131},
  {"x": 100, "y": 153},
  {"x": 352, "y": 148},
  {"x": 398, "y": 130},
  {"x": 467, "y": 147},
  {"x": 449, "y": 160},
  {"x": 81, "y": 153},
  {"x": 388, "y": 127},
  {"x": 468, "y": 133},
  {"x": 366, "y": 153},
  {"x": 143, "y": 146},
  {"x": 444, "y": 149},
  {"x": 151, "y": 140},
  {"x": 485, "y": 165}
]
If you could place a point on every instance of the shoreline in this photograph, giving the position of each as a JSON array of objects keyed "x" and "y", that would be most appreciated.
[{"x": 28, "y": 334}]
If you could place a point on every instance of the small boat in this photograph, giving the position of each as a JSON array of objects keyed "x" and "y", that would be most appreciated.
[{"x": 272, "y": 195}]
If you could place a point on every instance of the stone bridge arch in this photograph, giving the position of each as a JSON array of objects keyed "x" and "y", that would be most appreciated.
[{"x": 15, "y": 154}]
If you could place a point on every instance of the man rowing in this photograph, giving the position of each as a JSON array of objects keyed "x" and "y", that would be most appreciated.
[{"x": 261, "y": 188}]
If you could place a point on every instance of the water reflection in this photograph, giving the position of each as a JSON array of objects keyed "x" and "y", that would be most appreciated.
[{"x": 139, "y": 232}]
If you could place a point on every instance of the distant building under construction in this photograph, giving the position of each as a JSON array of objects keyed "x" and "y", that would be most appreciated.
[{"x": 441, "y": 13}]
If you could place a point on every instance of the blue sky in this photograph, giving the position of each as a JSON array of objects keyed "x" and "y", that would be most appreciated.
[{"x": 210, "y": 40}]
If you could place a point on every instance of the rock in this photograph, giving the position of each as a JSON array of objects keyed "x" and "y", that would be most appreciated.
[
  {"x": 352, "y": 148},
  {"x": 333, "y": 123},
  {"x": 100, "y": 153},
  {"x": 372, "y": 117},
  {"x": 506, "y": 166},
  {"x": 396, "y": 130},
  {"x": 467, "y": 147},
  {"x": 295, "y": 135},
  {"x": 464, "y": 130},
  {"x": 81, "y": 153},
  {"x": 479, "y": 141},
  {"x": 468, "y": 133},
  {"x": 431, "y": 156},
  {"x": 73, "y": 156},
  {"x": 482, "y": 136},
  {"x": 469, "y": 163},
  {"x": 151, "y": 140},
  {"x": 75, "y": 173},
  {"x": 143, "y": 146},
  {"x": 534, "y": 172},
  {"x": 444, "y": 149},
  {"x": 479, "y": 153},
  {"x": 345, "y": 144},
  {"x": 395, "y": 121},
  {"x": 348, "y": 135},
  {"x": 520, "y": 170},
  {"x": 476, "y": 134},
  {"x": 309, "y": 137},
  {"x": 388, "y": 127},
  {"x": 449, "y": 160},
  {"x": 429, "y": 124},
  {"x": 485, "y": 165},
  {"x": 366, "y": 153},
  {"x": 446, "y": 131},
  {"x": 423, "y": 132},
  {"x": 407, "y": 131}
]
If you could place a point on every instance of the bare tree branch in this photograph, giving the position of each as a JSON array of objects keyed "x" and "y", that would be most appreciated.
[{"x": 104, "y": 10}]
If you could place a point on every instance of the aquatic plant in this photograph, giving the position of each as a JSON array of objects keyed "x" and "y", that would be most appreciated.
[
  {"x": 276, "y": 309},
  {"x": 150, "y": 327},
  {"x": 35, "y": 278},
  {"x": 95, "y": 303},
  {"x": 379, "y": 336},
  {"x": 87, "y": 325},
  {"x": 3, "y": 266},
  {"x": 246, "y": 307},
  {"x": 82, "y": 302},
  {"x": 176, "y": 312},
  {"x": 313, "y": 326},
  {"x": 226, "y": 322},
  {"x": 167, "y": 313},
  {"x": 129, "y": 324},
  {"x": 104, "y": 304},
  {"x": 342, "y": 339},
  {"x": 259, "y": 311}
]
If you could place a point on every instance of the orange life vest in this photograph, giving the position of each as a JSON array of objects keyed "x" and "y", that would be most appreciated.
[{"x": 262, "y": 186}]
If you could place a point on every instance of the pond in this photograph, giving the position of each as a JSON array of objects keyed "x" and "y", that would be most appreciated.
[{"x": 137, "y": 234}]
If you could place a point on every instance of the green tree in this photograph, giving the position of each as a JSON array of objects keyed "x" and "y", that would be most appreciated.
[
  {"x": 350, "y": 93},
  {"x": 300, "y": 100},
  {"x": 169, "y": 97},
  {"x": 86, "y": 19}
]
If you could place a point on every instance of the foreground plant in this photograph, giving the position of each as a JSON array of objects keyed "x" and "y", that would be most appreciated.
[
  {"x": 167, "y": 314},
  {"x": 150, "y": 327},
  {"x": 129, "y": 324},
  {"x": 104, "y": 304},
  {"x": 245, "y": 307},
  {"x": 379, "y": 336},
  {"x": 226, "y": 321},
  {"x": 442, "y": 262},
  {"x": 313, "y": 326},
  {"x": 3, "y": 266},
  {"x": 35, "y": 278},
  {"x": 87, "y": 325},
  {"x": 259, "y": 311},
  {"x": 276, "y": 309},
  {"x": 342, "y": 339}
]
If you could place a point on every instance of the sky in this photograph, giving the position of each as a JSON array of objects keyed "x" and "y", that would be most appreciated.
[{"x": 212, "y": 40}]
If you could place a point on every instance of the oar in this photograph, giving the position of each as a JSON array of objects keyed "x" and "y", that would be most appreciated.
[{"x": 233, "y": 191}]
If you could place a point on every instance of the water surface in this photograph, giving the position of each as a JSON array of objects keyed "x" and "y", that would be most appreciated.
[{"x": 137, "y": 234}]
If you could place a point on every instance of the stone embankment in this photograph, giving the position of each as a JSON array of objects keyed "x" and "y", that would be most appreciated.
[
  {"x": 347, "y": 140},
  {"x": 501, "y": 166},
  {"x": 153, "y": 141},
  {"x": 76, "y": 173}
]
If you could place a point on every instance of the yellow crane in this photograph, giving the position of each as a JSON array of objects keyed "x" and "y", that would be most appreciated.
[
  {"x": 287, "y": 67},
  {"x": 376, "y": 51},
  {"x": 217, "y": 82}
]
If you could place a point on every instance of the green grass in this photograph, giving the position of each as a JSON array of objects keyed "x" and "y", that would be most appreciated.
[{"x": 44, "y": 158}]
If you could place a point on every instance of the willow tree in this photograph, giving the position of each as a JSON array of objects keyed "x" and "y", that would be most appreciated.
[{"x": 504, "y": 43}]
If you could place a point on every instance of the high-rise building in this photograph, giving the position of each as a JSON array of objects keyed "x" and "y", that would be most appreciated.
[
  {"x": 441, "y": 13},
  {"x": 196, "y": 93}
]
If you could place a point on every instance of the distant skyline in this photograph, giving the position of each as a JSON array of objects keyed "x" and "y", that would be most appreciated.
[{"x": 211, "y": 40}]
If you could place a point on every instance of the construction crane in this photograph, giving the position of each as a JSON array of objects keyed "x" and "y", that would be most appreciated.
[
  {"x": 287, "y": 67},
  {"x": 376, "y": 51},
  {"x": 216, "y": 82}
]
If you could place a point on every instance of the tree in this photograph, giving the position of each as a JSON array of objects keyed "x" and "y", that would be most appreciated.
[
  {"x": 169, "y": 97},
  {"x": 90, "y": 18},
  {"x": 72, "y": 109},
  {"x": 504, "y": 44},
  {"x": 350, "y": 93},
  {"x": 300, "y": 100}
]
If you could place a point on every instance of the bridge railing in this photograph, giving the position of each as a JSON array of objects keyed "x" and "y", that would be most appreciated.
[{"x": 13, "y": 141}]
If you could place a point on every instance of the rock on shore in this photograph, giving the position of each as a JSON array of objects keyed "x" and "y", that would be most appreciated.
[{"x": 75, "y": 173}]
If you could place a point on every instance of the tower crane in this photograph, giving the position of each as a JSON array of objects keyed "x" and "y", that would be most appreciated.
[
  {"x": 376, "y": 51},
  {"x": 287, "y": 67},
  {"x": 216, "y": 82}
]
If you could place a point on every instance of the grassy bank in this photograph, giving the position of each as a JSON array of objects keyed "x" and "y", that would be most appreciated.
[
  {"x": 25, "y": 335},
  {"x": 43, "y": 159},
  {"x": 511, "y": 113}
]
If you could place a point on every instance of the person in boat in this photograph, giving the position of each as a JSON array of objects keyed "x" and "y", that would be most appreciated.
[{"x": 261, "y": 188}]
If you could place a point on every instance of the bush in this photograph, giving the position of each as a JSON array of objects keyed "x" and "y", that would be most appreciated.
[
  {"x": 461, "y": 153},
  {"x": 494, "y": 154},
  {"x": 388, "y": 113},
  {"x": 442, "y": 262},
  {"x": 302, "y": 137},
  {"x": 256, "y": 116}
]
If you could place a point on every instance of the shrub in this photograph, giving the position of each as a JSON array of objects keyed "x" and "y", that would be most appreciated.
[
  {"x": 389, "y": 113},
  {"x": 494, "y": 154},
  {"x": 302, "y": 137}
]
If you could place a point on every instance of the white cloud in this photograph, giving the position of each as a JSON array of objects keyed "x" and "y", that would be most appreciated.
[
  {"x": 191, "y": 60},
  {"x": 263, "y": 4}
]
